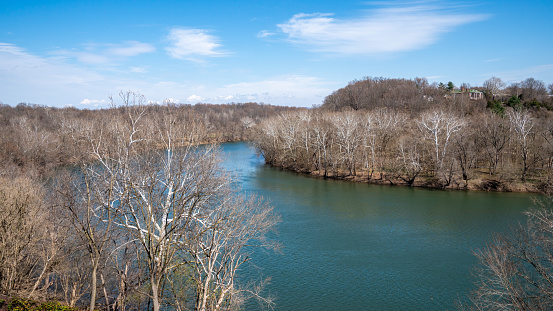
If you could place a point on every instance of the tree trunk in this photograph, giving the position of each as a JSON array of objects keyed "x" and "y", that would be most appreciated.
[
  {"x": 155, "y": 293},
  {"x": 93, "y": 281},
  {"x": 105, "y": 291},
  {"x": 40, "y": 277}
]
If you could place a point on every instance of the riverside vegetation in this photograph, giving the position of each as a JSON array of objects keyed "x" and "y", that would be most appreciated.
[
  {"x": 408, "y": 132},
  {"x": 127, "y": 208}
]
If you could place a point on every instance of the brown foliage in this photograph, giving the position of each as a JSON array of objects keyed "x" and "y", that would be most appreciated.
[
  {"x": 22, "y": 231},
  {"x": 435, "y": 147}
]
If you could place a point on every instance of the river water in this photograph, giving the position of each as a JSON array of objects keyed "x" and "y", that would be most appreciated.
[{"x": 352, "y": 246}]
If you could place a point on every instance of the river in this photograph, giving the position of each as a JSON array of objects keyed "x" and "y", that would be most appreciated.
[{"x": 353, "y": 246}]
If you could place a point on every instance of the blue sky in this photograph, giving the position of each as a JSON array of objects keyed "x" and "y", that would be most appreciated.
[{"x": 78, "y": 53}]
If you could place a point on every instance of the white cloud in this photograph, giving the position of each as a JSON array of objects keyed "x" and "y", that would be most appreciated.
[
  {"x": 191, "y": 43},
  {"x": 96, "y": 54},
  {"x": 435, "y": 77},
  {"x": 93, "y": 102},
  {"x": 294, "y": 90},
  {"x": 194, "y": 99},
  {"x": 55, "y": 81},
  {"x": 392, "y": 29},
  {"x": 11, "y": 49},
  {"x": 139, "y": 69},
  {"x": 130, "y": 48},
  {"x": 30, "y": 78},
  {"x": 265, "y": 34},
  {"x": 290, "y": 90},
  {"x": 89, "y": 58}
]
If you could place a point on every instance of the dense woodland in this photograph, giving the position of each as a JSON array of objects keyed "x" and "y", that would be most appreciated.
[
  {"x": 128, "y": 208},
  {"x": 36, "y": 139},
  {"x": 409, "y": 132}
]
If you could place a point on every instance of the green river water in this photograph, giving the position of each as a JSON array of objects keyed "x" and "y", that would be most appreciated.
[{"x": 353, "y": 246}]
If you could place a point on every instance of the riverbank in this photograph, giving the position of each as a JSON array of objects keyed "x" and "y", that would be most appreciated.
[{"x": 480, "y": 183}]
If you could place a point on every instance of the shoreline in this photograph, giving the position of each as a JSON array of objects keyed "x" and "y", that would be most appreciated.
[{"x": 476, "y": 184}]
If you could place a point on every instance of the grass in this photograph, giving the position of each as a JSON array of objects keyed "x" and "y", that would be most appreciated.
[{"x": 20, "y": 304}]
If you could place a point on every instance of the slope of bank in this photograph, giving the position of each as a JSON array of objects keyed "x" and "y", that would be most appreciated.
[{"x": 481, "y": 183}]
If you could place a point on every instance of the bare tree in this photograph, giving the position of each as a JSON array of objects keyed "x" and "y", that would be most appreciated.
[
  {"x": 229, "y": 233},
  {"x": 439, "y": 127},
  {"x": 493, "y": 136},
  {"x": 305, "y": 140},
  {"x": 268, "y": 141},
  {"x": 533, "y": 89},
  {"x": 171, "y": 201},
  {"x": 493, "y": 86},
  {"x": 409, "y": 164},
  {"x": 369, "y": 138},
  {"x": 465, "y": 152},
  {"x": 516, "y": 271},
  {"x": 92, "y": 221},
  {"x": 323, "y": 136},
  {"x": 290, "y": 127},
  {"x": 388, "y": 125},
  {"x": 22, "y": 213},
  {"x": 522, "y": 124},
  {"x": 348, "y": 137},
  {"x": 74, "y": 271}
]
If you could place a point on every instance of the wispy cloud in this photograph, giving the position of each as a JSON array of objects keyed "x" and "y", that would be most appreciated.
[
  {"x": 12, "y": 49},
  {"x": 297, "y": 90},
  {"x": 265, "y": 34},
  {"x": 190, "y": 44},
  {"x": 106, "y": 53},
  {"x": 139, "y": 69},
  {"x": 292, "y": 90},
  {"x": 31, "y": 78},
  {"x": 21, "y": 64},
  {"x": 130, "y": 48},
  {"x": 384, "y": 30},
  {"x": 435, "y": 77}
]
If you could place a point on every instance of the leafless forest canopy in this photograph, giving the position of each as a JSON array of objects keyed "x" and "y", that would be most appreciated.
[
  {"x": 36, "y": 139},
  {"x": 128, "y": 207},
  {"x": 399, "y": 131}
]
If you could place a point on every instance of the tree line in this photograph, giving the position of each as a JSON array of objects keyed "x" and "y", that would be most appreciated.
[
  {"x": 37, "y": 139},
  {"x": 409, "y": 132},
  {"x": 128, "y": 208},
  {"x": 415, "y": 94}
]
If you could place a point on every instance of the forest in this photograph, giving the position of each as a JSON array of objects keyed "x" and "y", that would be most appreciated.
[
  {"x": 410, "y": 132},
  {"x": 127, "y": 208}
]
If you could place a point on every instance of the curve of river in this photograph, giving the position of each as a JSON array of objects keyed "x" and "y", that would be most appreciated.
[{"x": 352, "y": 246}]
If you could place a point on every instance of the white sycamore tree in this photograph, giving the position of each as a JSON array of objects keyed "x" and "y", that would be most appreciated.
[
  {"x": 177, "y": 203},
  {"x": 439, "y": 127}
]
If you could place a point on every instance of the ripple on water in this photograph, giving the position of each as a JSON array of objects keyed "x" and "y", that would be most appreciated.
[{"x": 353, "y": 246}]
